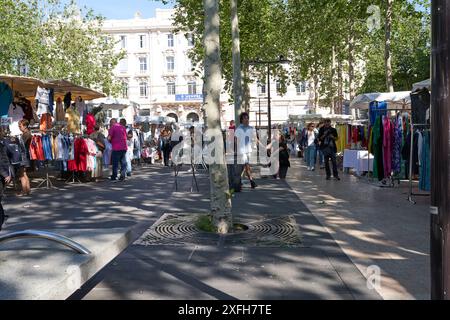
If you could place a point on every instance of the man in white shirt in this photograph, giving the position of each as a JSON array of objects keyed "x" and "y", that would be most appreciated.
[{"x": 246, "y": 142}]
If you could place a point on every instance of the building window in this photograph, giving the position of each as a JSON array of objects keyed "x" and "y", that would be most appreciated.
[
  {"x": 261, "y": 88},
  {"x": 143, "y": 89},
  {"x": 123, "y": 66},
  {"x": 120, "y": 113},
  {"x": 142, "y": 41},
  {"x": 109, "y": 113},
  {"x": 170, "y": 40},
  {"x": 124, "y": 90},
  {"x": 301, "y": 88},
  {"x": 143, "y": 64},
  {"x": 190, "y": 39},
  {"x": 192, "y": 87},
  {"x": 170, "y": 63},
  {"x": 192, "y": 117},
  {"x": 189, "y": 67},
  {"x": 279, "y": 88},
  {"x": 123, "y": 42},
  {"x": 171, "y": 88}
]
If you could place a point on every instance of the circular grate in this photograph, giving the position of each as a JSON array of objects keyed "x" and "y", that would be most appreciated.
[{"x": 181, "y": 229}]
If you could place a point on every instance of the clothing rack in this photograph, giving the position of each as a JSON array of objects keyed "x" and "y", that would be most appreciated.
[
  {"x": 391, "y": 180},
  {"x": 411, "y": 194},
  {"x": 46, "y": 182}
]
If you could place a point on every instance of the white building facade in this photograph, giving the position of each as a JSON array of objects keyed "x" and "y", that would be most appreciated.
[{"x": 158, "y": 75}]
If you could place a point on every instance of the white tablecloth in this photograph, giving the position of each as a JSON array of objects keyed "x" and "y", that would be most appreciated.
[{"x": 357, "y": 159}]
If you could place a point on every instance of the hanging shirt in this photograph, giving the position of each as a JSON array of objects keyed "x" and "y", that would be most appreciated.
[
  {"x": 59, "y": 112},
  {"x": 16, "y": 113},
  {"x": 90, "y": 123},
  {"x": 46, "y": 122},
  {"x": 42, "y": 100}
]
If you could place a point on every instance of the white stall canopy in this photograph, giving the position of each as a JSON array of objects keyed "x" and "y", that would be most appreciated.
[{"x": 394, "y": 100}]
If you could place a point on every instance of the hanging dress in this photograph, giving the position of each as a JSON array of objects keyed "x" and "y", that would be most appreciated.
[{"x": 377, "y": 148}]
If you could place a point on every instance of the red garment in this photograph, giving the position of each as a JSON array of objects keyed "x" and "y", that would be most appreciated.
[
  {"x": 80, "y": 156},
  {"x": 90, "y": 123},
  {"x": 36, "y": 149},
  {"x": 355, "y": 135}
]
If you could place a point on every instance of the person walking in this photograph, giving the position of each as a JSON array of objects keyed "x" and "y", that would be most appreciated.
[
  {"x": 311, "y": 146},
  {"x": 246, "y": 140},
  {"x": 327, "y": 139},
  {"x": 118, "y": 138},
  {"x": 5, "y": 178}
]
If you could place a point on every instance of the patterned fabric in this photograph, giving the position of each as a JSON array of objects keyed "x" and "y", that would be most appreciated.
[{"x": 398, "y": 143}]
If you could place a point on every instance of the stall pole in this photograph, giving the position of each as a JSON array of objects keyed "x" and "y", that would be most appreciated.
[{"x": 440, "y": 144}]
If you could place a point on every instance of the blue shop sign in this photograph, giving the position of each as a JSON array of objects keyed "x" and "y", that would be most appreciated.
[{"x": 188, "y": 97}]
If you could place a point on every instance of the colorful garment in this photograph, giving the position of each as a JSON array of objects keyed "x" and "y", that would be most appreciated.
[
  {"x": 36, "y": 149},
  {"x": 46, "y": 122},
  {"x": 425, "y": 168},
  {"x": 90, "y": 123},
  {"x": 398, "y": 142},
  {"x": 377, "y": 149},
  {"x": 73, "y": 121},
  {"x": 388, "y": 136}
]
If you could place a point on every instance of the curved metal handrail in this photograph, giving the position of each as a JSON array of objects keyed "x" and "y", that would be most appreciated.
[{"x": 37, "y": 234}]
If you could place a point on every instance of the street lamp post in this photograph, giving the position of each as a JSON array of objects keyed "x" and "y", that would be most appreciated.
[{"x": 268, "y": 63}]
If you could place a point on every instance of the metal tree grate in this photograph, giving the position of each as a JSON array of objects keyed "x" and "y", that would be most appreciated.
[{"x": 180, "y": 229}]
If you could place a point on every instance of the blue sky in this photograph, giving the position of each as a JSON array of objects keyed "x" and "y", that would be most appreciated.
[{"x": 123, "y": 9}]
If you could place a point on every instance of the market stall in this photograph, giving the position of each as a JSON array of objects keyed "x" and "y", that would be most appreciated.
[
  {"x": 387, "y": 126},
  {"x": 57, "y": 131}
]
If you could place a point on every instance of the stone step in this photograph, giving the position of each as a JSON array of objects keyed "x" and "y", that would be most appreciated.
[{"x": 37, "y": 269}]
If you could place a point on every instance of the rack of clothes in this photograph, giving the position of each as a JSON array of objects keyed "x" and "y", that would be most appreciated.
[
  {"x": 74, "y": 152},
  {"x": 388, "y": 137},
  {"x": 419, "y": 153},
  {"x": 353, "y": 135}
]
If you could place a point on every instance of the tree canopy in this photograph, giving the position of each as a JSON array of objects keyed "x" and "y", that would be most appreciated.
[
  {"x": 339, "y": 45},
  {"x": 55, "y": 40}
]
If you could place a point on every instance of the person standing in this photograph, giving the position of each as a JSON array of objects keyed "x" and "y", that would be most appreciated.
[
  {"x": 99, "y": 140},
  {"x": 130, "y": 152},
  {"x": 284, "y": 158},
  {"x": 24, "y": 143},
  {"x": 165, "y": 145},
  {"x": 232, "y": 125},
  {"x": 5, "y": 178},
  {"x": 118, "y": 138},
  {"x": 327, "y": 139},
  {"x": 246, "y": 140},
  {"x": 311, "y": 144},
  {"x": 319, "y": 151}
]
